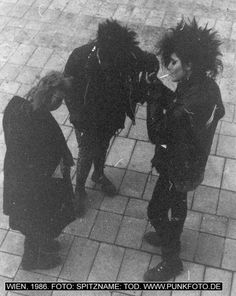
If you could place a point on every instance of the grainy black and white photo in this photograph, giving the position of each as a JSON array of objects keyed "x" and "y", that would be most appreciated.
[{"x": 118, "y": 147}]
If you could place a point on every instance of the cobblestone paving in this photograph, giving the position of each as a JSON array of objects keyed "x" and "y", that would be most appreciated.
[{"x": 37, "y": 36}]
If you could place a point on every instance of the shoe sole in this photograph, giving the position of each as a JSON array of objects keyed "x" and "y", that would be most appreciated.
[
  {"x": 41, "y": 267},
  {"x": 173, "y": 275}
]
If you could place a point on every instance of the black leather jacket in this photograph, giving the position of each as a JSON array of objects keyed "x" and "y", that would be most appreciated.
[
  {"x": 99, "y": 102},
  {"x": 182, "y": 125}
]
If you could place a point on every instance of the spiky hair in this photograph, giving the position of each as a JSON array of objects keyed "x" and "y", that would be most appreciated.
[
  {"x": 193, "y": 44},
  {"x": 116, "y": 37}
]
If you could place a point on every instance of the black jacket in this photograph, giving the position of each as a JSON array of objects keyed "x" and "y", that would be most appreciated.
[
  {"x": 35, "y": 146},
  {"x": 97, "y": 101},
  {"x": 182, "y": 125}
]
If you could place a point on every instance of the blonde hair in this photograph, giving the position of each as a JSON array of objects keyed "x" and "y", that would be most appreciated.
[{"x": 50, "y": 81}]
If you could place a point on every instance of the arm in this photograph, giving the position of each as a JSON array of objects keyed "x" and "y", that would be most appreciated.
[
  {"x": 158, "y": 101},
  {"x": 75, "y": 67},
  {"x": 67, "y": 162}
]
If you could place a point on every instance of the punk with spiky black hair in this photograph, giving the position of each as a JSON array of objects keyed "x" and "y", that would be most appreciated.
[
  {"x": 114, "y": 38},
  {"x": 103, "y": 94},
  {"x": 195, "y": 45},
  {"x": 181, "y": 124}
]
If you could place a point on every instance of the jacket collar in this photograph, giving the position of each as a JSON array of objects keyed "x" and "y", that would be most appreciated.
[{"x": 186, "y": 84}]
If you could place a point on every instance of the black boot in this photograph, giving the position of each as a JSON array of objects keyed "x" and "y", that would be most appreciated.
[
  {"x": 152, "y": 238},
  {"x": 35, "y": 258},
  {"x": 51, "y": 246},
  {"x": 164, "y": 271},
  {"x": 106, "y": 184},
  {"x": 42, "y": 261}
]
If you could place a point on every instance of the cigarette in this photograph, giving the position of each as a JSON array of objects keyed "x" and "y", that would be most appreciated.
[{"x": 164, "y": 76}]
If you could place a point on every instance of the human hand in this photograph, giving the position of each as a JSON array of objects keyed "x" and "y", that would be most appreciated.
[{"x": 65, "y": 169}]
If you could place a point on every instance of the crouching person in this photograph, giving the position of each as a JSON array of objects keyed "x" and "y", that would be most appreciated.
[
  {"x": 181, "y": 124},
  {"x": 38, "y": 204}
]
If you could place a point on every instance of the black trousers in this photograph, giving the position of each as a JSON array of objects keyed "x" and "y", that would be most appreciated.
[
  {"x": 93, "y": 147},
  {"x": 167, "y": 212}
]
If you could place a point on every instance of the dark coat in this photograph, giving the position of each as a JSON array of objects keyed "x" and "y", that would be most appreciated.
[
  {"x": 182, "y": 125},
  {"x": 97, "y": 101},
  {"x": 35, "y": 146}
]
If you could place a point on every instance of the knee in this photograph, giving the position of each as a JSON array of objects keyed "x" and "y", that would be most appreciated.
[
  {"x": 181, "y": 212},
  {"x": 150, "y": 212},
  {"x": 86, "y": 151},
  {"x": 154, "y": 216},
  {"x": 176, "y": 224},
  {"x": 84, "y": 157}
]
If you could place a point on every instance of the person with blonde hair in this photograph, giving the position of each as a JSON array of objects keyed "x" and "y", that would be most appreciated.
[{"x": 38, "y": 204}]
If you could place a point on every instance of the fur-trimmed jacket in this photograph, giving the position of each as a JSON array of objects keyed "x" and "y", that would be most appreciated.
[
  {"x": 98, "y": 101},
  {"x": 182, "y": 125}
]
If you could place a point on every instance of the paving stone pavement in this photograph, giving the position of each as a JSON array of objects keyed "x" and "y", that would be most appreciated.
[{"x": 37, "y": 36}]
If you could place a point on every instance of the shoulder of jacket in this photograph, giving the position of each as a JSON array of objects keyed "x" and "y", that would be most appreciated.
[
  {"x": 212, "y": 87},
  {"x": 15, "y": 103},
  {"x": 83, "y": 50},
  {"x": 202, "y": 94},
  {"x": 16, "y": 112}
]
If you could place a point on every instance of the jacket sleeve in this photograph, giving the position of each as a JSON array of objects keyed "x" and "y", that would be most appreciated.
[
  {"x": 205, "y": 107},
  {"x": 66, "y": 154},
  {"x": 158, "y": 99},
  {"x": 75, "y": 67}
]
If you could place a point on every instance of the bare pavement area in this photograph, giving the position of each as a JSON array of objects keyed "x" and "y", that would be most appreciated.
[{"x": 37, "y": 36}]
